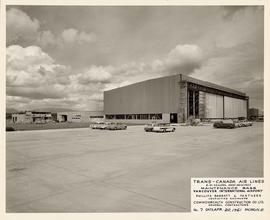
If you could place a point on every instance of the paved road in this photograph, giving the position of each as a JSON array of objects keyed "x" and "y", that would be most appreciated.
[{"x": 82, "y": 170}]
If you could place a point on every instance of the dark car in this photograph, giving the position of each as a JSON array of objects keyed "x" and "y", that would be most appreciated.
[{"x": 224, "y": 124}]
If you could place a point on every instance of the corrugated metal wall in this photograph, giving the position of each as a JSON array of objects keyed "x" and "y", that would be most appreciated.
[
  {"x": 235, "y": 107},
  {"x": 153, "y": 96},
  {"x": 213, "y": 106}
]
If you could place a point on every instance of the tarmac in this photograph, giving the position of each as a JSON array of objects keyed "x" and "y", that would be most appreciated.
[{"x": 84, "y": 170}]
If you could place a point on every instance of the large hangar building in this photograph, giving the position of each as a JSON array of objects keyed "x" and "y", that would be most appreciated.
[{"x": 173, "y": 99}]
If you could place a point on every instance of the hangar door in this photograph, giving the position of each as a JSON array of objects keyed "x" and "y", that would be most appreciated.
[
  {"x": 213, "y": 106},
  {"x": 235, "y": 108}
]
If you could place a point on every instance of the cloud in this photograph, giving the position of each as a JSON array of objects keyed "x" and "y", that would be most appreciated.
[
  {"x": 20, "y": 58},
  {"x": 182, "y": 59},
  {"x": 116, "y": 85},
  {"x": 230, "y": 11},
  {"x": 224, "y": 46},
  {"x": 35, "y": 80},
  {"x": 95, "y": 74},
  {"x": 46, "y": 38},
  {"x": 239, "y": 67},
  {"x": 34, "y": 74},
  {"x": 23, "y": 30},
  {"x": 74, "y": 36},
  {"x": 20, "y": 26},
  {"x": 49, "y": 91}
]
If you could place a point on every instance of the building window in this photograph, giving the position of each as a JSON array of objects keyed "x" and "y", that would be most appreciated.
[
  {"x": 120, "y": 117},
  {"x": 155, "y": 116},
  {"x": 135, "y": 117},
  {"x": 190, "y": 103},
  {"x": 109, "y": 116},
  {"x": 196, "y": 103},
  {"x": 98, "y": 116},
  {"x": 129, "y": 117},
  {"x": 144, "y": 116}
]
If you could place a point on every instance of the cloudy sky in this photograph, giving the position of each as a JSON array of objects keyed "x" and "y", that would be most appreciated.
[{"x": 66, "y": 56}]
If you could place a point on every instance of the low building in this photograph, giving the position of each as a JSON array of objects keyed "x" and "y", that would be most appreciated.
[
  {"x": 173, "y": 99},
  {"x": 253, "y": 113},
  {"x": 31, "y": 117},
  {"x": 82, "y": 116}
]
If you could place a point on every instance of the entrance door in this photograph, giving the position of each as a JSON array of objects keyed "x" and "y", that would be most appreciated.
[
  {"x": 173, "y": 118},
  {"x": 64, "y": 118}
]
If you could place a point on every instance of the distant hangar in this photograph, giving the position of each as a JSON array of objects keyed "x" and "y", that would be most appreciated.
[{"x": 173, "y": 99}]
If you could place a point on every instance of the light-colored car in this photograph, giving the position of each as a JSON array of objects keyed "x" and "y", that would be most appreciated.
[
  {"x": 149, "y": 127},
  {"x": 245, "y": 123},
  {"x": 115, "y": 126},
  {"x": 163, "y": 127},
  {"x": 98, "y": 125},
  {"x": 108, "y": 126}
]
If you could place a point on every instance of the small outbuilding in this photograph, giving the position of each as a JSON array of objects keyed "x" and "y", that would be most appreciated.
[
  {"x": 31, "y": 117},
  {"x": 80, "y": 116}
]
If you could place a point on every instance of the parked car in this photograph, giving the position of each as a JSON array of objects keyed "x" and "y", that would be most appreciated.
[
  {"x": 245, "y": 123},
  {"x": 159, "y": 127},
  {"x": 98, "y": 125},
  {"x": 228, "y": 123},
  {"x": 149, "y": 127},
  {"x": 242, "y": 123},
  {"x": 10, "y": 129},
  {"x": 115, "y": 126},
  {"x": 250, "y": 123},
  {"x": 238, "y": 124},
  {"x": 108, "y": 126}
]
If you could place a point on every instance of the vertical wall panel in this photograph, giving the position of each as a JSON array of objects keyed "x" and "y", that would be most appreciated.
[
  {"x": 202, "y": 97},
  {"x": 235, "y": 107},
  {"x": 213, "y": 106}
]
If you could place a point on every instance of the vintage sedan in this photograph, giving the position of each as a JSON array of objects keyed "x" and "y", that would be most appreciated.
[
  {"x": 115, "y": 126},
  {"x": 244, "y": 123},
  {"x": 98, "y": 125},
  {"x": 160, "y": 127},
  {"x": 149, "y": 127},
  {"x": 228, "y": 123}
]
